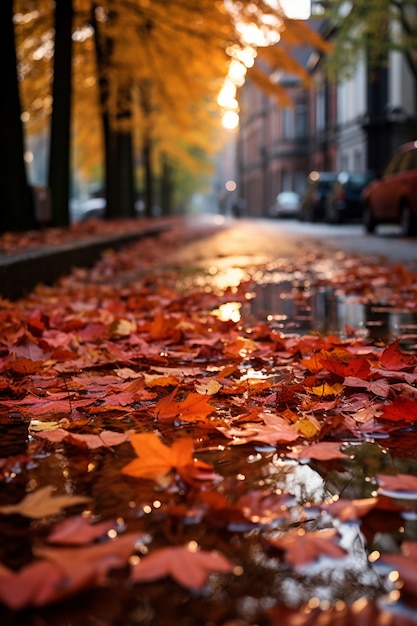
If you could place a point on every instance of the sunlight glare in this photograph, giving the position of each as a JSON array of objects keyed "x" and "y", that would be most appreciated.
[
  {"x": 297, "y": 9},
  {"x": 230, "y": 120}
]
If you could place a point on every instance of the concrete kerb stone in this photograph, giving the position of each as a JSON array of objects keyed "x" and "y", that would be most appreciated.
[{"x": 20, "y": 273}]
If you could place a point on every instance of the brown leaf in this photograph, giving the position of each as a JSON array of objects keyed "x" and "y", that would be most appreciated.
[{"x": 41, "y": 503}]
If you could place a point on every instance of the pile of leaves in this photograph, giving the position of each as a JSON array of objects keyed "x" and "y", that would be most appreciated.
[
  {"x": 15, "y": 242},
  {"x": 170, "y": 465}
]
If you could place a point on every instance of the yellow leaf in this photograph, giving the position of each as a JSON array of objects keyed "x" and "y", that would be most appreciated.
[
  {"x": 326, "y": 390},
  {"x": 209, "y": 387}
]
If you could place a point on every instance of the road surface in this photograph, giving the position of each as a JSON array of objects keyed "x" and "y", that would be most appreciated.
[{"x": 263, "y": 238}]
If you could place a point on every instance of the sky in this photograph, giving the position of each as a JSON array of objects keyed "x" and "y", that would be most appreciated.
[{"x": 296, "y": 8}]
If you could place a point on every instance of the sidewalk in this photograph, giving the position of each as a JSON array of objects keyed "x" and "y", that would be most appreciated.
[{"x": 44, "y": 256}]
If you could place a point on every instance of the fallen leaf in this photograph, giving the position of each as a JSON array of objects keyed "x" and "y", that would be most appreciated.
[
  {"x": 79, "y": 530},
  {"x": 209, "y": 387},
  {"x": 325, "y": 390},
  {"x": 106, "y": 438},
  {"x": 343, "y": 363},
  {"x": 400, "y": 482},
  {"x": 156, "y": 459},
  {"x": 392, "y": 358},
  {"x": 195, "y": 407},
  {"x": 400, "y": 409},
  {"x": 189, "y": 566},
  {"x": 41, "y": 503},
  {"x": 322, "y": 451},
  {"x": 302, "y": 547},
  {"x": 62, "y": 572},
  {"x": 349, "y": 510},
  {"x": 275, "y": 430}
]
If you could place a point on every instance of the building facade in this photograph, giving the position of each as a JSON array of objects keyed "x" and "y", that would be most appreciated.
[{"x": 353, "y": 126}]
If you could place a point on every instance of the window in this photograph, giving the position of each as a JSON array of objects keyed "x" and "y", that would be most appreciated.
[
  {"x": 287, "y": 123},
  {"x": 301, "y": 129}
]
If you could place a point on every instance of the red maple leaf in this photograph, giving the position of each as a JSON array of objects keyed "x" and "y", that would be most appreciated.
[
  {"x": 188, "y": 565},
  {"x": 392, "y": 358},
  {"x": 343, "y": 363},
  {"x": 400, "y": 410}
]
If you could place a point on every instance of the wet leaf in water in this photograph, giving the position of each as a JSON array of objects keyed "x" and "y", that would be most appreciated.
[{"x": 41, "y": 503}]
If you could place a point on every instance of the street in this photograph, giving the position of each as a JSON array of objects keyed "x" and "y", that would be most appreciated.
[{"x": 265, "y": 237}]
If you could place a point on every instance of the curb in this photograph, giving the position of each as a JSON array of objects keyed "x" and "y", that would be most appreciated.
[{"x": 20, "y": 273}]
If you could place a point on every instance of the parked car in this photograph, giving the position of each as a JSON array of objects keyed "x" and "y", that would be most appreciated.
[
  {"x": 344, "y": 199},
  {"x": 392, "y": 198},
  {"x": 91, "y": 208},
  {"x": 287, "y": 204},
  {"x": 313, "y": 204}
]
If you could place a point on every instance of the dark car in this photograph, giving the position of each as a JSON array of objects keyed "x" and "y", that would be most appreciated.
[
  {"x": 313, "y": 204},
  {"x": 344, "y": 200},
  {"x": 392, "y": 198}
]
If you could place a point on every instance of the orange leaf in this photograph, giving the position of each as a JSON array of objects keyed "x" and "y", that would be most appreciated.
[
  {"x": 195, "y": 407},
  {"x": 156, "y": 459}
]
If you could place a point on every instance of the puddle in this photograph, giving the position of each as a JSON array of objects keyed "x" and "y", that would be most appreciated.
[{"x": 325, "y": 310}]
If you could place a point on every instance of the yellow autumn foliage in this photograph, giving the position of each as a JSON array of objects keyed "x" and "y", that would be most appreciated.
[{"x": 181, "y": 52}]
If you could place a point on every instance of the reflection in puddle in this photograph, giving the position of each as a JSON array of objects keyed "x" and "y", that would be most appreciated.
[{"x": 324, "y": 310}]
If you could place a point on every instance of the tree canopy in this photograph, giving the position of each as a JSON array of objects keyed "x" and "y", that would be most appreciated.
[
  {"x": 147, "y": 71},
  {"x": 377, "y": 26}
]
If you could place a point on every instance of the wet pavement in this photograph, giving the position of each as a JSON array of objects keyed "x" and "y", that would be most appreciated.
[{"x": 145, "y": 314}]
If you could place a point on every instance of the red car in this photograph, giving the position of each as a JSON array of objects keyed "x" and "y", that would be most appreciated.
[{"x": 392, "y": 198}]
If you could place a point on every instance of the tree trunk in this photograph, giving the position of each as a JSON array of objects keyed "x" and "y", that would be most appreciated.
[
  {"x": 166, "y": 187},
  {"x": 60, "y": 146},
  {"x": 118, "y": 143},
  {"x": 125, "y": 175},
  {"x": 110, "y": 140},
  {"x": 148, "y": 177},
  {"x": 16, "y": 203}
]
